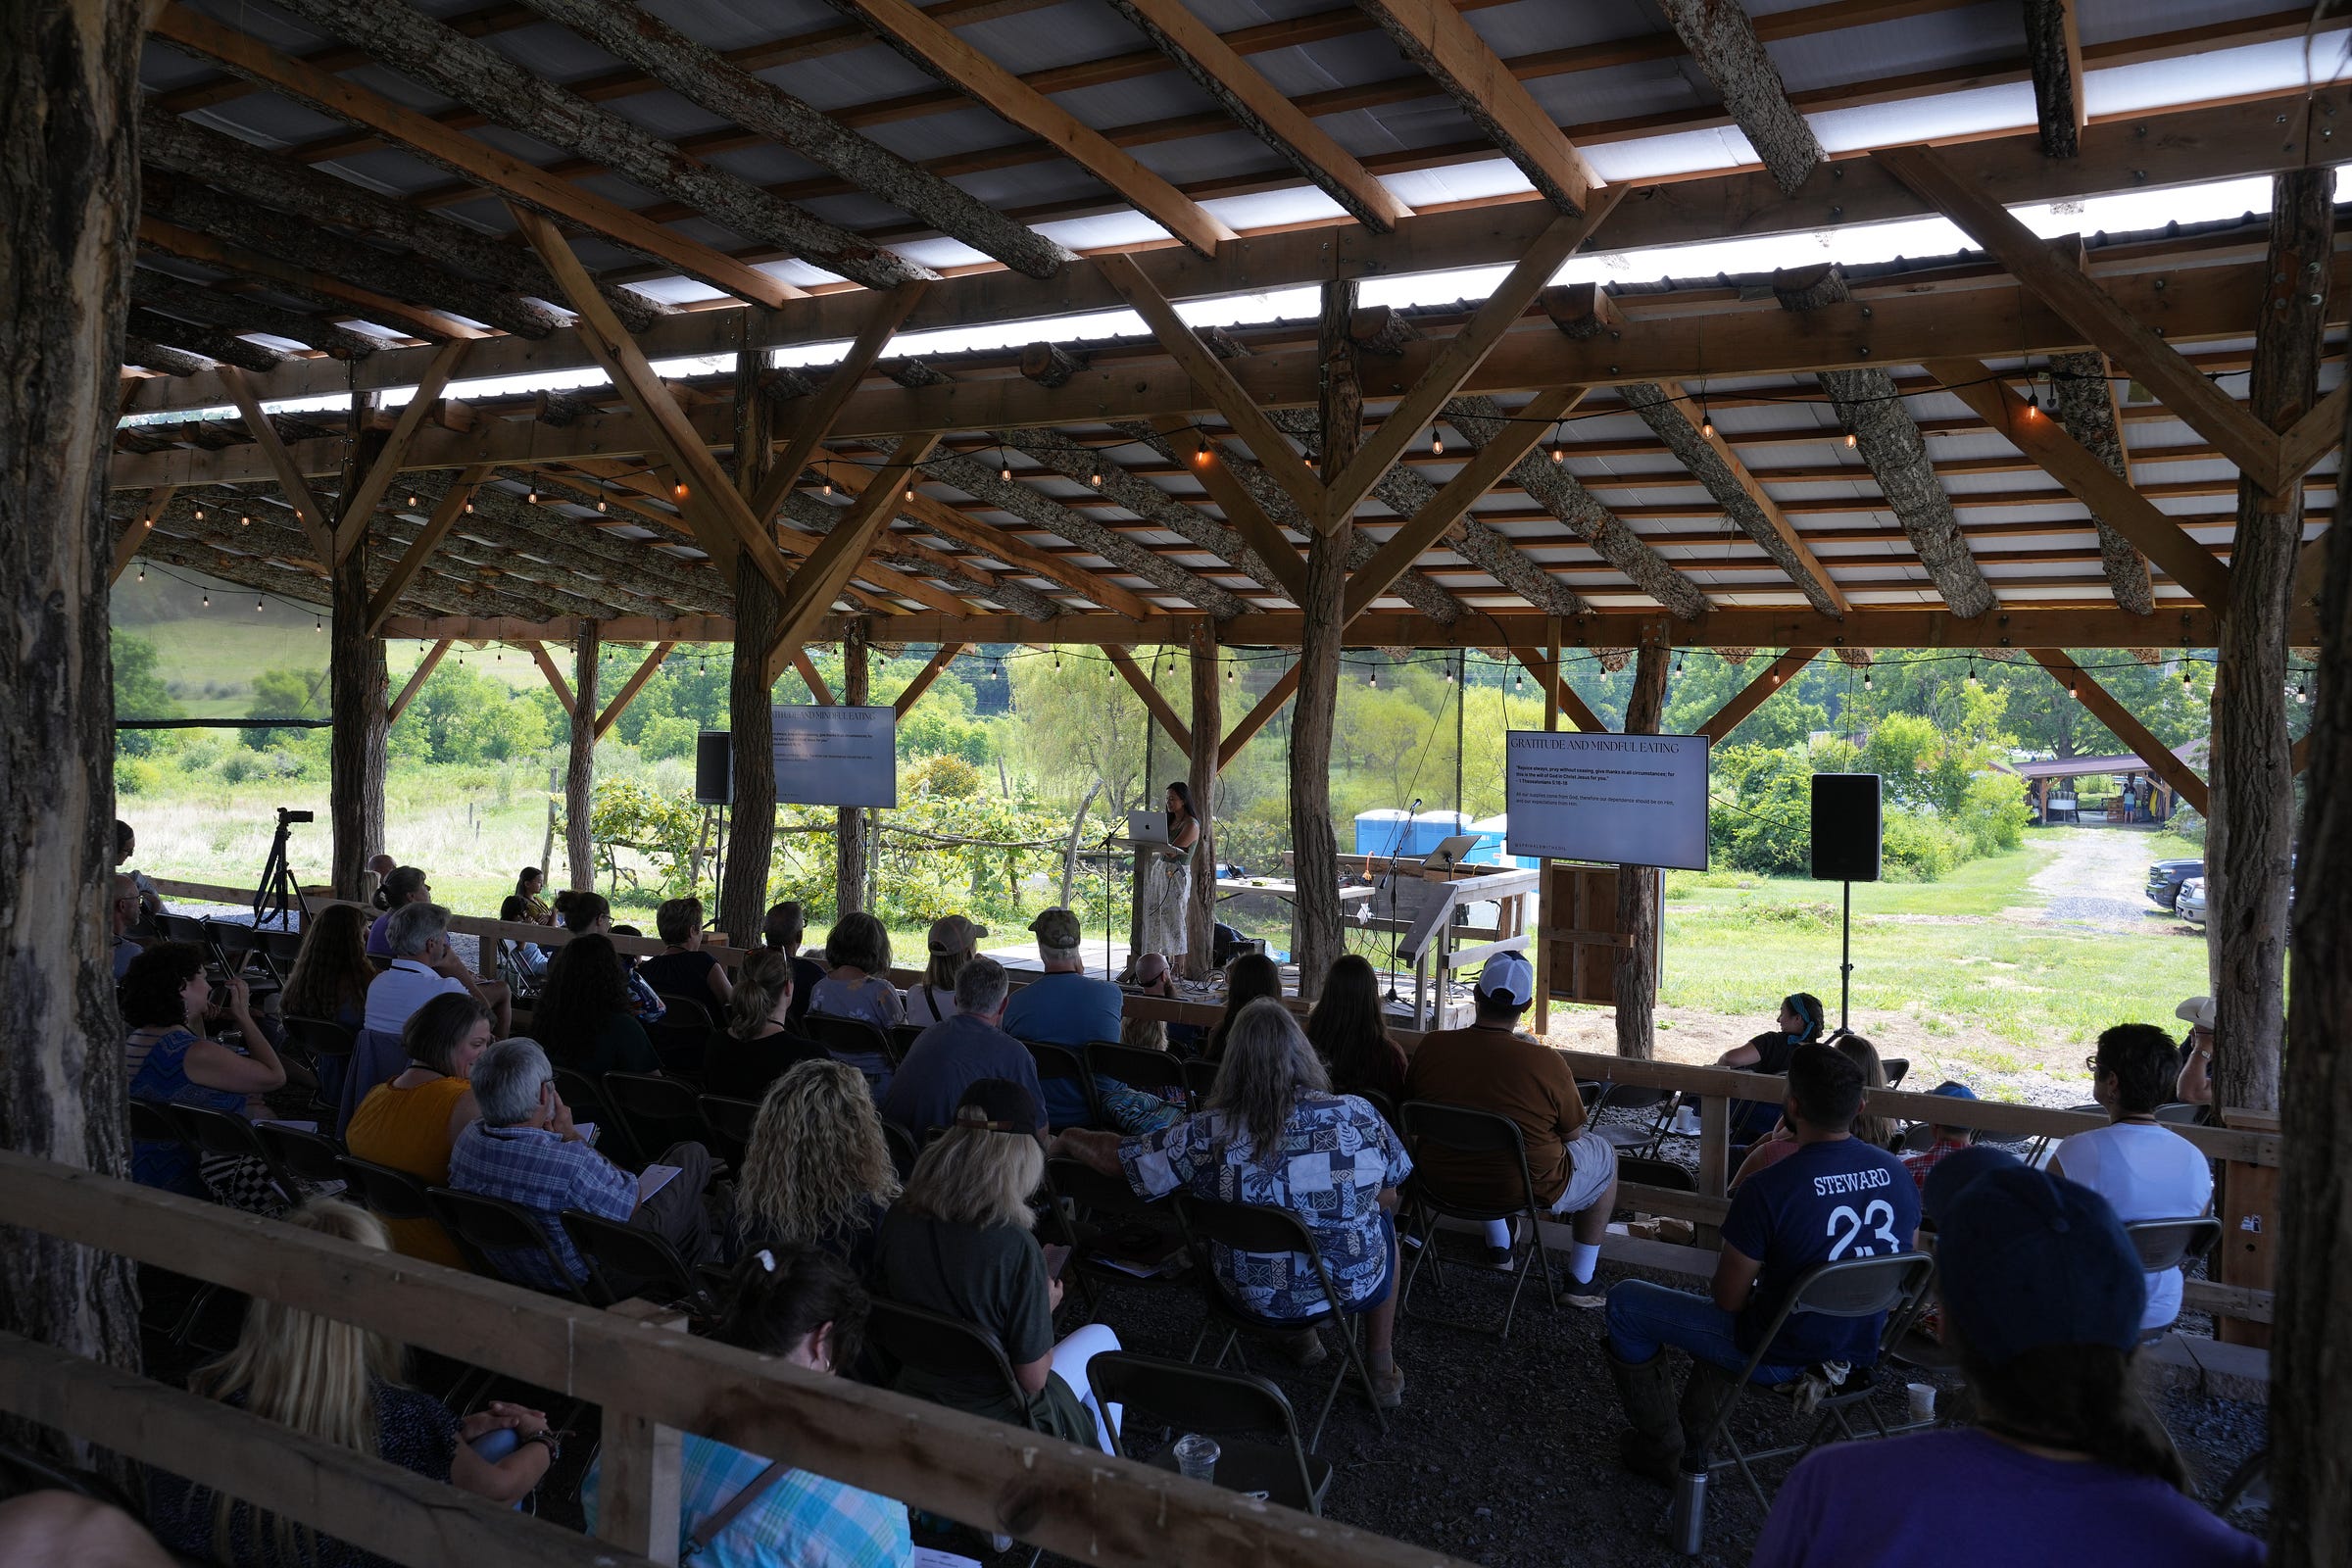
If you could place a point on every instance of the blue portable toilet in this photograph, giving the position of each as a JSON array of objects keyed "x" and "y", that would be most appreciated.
[
  {"x": 1433, "y": 828},
  {"x": 1489, "y": 851},
  {"x": 1384, "y": 832}
]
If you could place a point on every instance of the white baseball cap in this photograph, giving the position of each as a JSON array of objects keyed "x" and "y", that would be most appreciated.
[{"x": 1508, "y": 978}]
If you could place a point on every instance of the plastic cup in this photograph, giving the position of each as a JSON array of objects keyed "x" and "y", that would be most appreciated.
[
  {"x": 1923, "y": 1400},
  {"x": 1196, "y": 1456}
]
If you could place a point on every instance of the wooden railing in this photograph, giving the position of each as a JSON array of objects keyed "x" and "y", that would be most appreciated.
[{"x": 651, "y": 1382}]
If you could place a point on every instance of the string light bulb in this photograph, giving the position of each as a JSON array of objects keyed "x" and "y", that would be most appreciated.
[
  {"x": 1376, "y": 677},
  {"x": 1866, "y": 680},
  {"x": 1229, "y": 673},
  {"x": 199, "y": 513},
  {"x": 245, "y": 523},
  {"x": 1849, "y": 440},
  {"x": 1518, "y": 683},
  {"x": 2184, "y": 686},
  {"x": 412, "y": 500},
  {"x": 1972, "y": 670},
  {"x": 828, "y": 487},
  {"x": 256, "y": 604},
  {"x": 142, "y": 574},
  {"x": 910, "y": 493},
  {"x": 600, "y": 503},
  {"x": 1095, "y": 478},
  {"x": 469, "y": 508},
  {"x": 531, "y": 499},
  {"x": 677, "y": 492},
  {"x": 1707, "y": 428},
  {"x": 2303, "y": 689},
  {"x": 1200, "y": 456},
  {"x": 207, "y": 600},
  {"x": 1006, "y": 473},
  {"x": 317, "y": 624},
  {"x": 1437, "y": 445}
]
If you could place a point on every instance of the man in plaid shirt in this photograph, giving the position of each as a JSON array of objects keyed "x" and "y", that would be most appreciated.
[
  {"x": 526, "y": 1150},
  {"x": 1945, "y": 1142}
]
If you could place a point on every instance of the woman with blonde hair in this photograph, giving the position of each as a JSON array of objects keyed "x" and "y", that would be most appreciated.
[
  {"x": 755, "y": 1044},
  {"x": 958, "y": 1242},
  {"x": 336, "y": 1385},
  {"x": 816, "y": 1171}
]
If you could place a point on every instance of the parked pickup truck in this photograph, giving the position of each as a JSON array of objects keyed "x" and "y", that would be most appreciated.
[
  {"x": 2165, "y": 878},
  {"x": 2189, "y": 905}
]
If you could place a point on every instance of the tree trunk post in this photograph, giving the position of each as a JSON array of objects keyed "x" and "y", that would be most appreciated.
[
  {"x": 1636, "y": 982},
  {"x": 357, "y": 686},
  {"x": 1314, "y": 851},
  {"x": 2311, "y": 1347},
  {"x": 851, "y": 856},
  {"x": 2250, "y": 835},
  {"x": 579, "y": 778},
  {"x": 1209, "y": 724},
  {"x": 70, "y": 194},
  {"x": 751, "y": 721}
]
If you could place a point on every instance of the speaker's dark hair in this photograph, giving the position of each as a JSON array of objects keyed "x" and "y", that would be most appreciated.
[{"x": 2083, "y": 1399}]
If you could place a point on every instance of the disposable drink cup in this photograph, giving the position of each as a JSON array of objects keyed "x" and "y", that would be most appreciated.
[
  {"x": 1923, "y": 1400},
  {"x": 1196, "y": 1456}
]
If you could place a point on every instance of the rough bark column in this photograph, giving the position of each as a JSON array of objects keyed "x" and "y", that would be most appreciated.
[
  {"x": 1208, "y": 723},
  {"x": 2311, "y": 1345},
  {"x": 1314, "y": 851},
  {"x": 751, "y": 722},
  {"x": 579, "y": 778},
  {"x": 70, "y": 195},
  {"x": 1637, "y": 981},
  {"x": 851, "y": 860},
  {"x": 355, "y": 696},
  {"x": 2251, "y": 835}
]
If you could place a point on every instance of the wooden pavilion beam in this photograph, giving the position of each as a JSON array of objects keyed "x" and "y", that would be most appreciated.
[
  {"x": 420, "y": 47},
  {"x": 811, "y": 593},
  {"x": 818, "y": 692},
  {"x": 1554, "y": 684},
  {"x": 472, "y": 159},
  {"x": 706, "y": 77},
  {"x": 134, "y": 534},
  {"x": 1753, "y": 696},
  {"x": 307, "y": 510},
  {"x": 2111, "y": 500},
  {"x": 2110, "y": 323},
  {"x": 2054, "y": 54},
  {"x": 2316, "y": 434},
  {"x": 554, "y": 677},
  {"x": 1434, "y": 35},
  {"x": 1682, "y": 423},
  {"x": 336, "y": 295},
  {"x": 1723, "y": 41},
  {"x": 821, "y": 409},
  {"x": 416, "y": 679},
  {"x": 2126, "y": 726},
  {"x": 925, "y": 679},
  {"x": 236, "y": 313},
  {"x": 360, "y": 504},
  {"x": 1261, "y": 713},
  {"x": 220, "y": 347},
  {"x": 150, "y": 355},
  {"x": 446, "y": 512},
  {"x": 1264, "y": 111},
  {"x": 938, "y": 49},
  {"x": 1162, "y": 708},
  {"x": 629, "y": 688},
  {"x": 2088, "y": 413},
  {"x": 1214, "y": 472}
]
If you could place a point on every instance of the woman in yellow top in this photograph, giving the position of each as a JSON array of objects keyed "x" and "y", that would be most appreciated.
[{"x": 410, "y": 1122}]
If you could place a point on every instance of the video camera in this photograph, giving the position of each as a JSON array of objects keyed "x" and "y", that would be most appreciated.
[{"x": 288, "y": 814}]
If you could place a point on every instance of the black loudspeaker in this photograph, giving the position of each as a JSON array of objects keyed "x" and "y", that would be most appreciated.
[
  {"x": 1845, "y": 827},
  {"x": 713, "y": 768}
]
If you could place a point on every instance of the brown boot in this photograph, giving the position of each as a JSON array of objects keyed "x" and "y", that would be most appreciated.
[
  {"x": 1707, "y": 1394},
  {"x": 1652, "y": 1443}
]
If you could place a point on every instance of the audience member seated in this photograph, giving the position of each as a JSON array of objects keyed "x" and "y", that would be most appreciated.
[
  {"x": 419, "y": 936},
  {"x": 1125, "y": 1107},
  {"x": 1153, "y": 977},
  {"x": 332, "y": 973},
  {"x": 406, "y": 884},
  {"x": 1493, "y": 1065},
  {"x": 804, "y": 1309},
  {"x": 2194, "y": 1085},
  {"x": 1064, "y": 1006},
  {"x": 958, "y": 1241},
  {"x": 1878, "y": 1130},
  {"x": 756, "y": 1045},
  {"x": 336, "y": 1386},
  {"x": 952, "y": 942},
  {"x": 525, "y": 1150},
  {"x": 122, "y": 913},
  {"x": 2043, "y": 1297},
  {"x": 948, "y": 1059},
  {"x": 1799, "y": 1023},
  {"x": 1274, "y": 1134},
  {"x": 856, "y": 983},
  {"x": 412, "y": 1123},
  {"x": 1252, "y": 977},
  {"x": 784, "y": 929},
  {"x": 445, "y": 962},
  {"x": 151, "y": 902},
  {"x": 1943, "y": 1140},
  {"x": 1350, "y": 1031},
  {"x": 582, "y": 1017},
  {"x": 166, "y": 1001},
  {"x": 382, "y": 866},
  {"x": 682, "y": 969},
  {"x": 524, "y": 905},
  {"x": 2142, "y": 1168},
  {"x": 587, "y": 913},
  {"x": 816, "y": 1172},
  {"x": 1834, "y": 1197}
]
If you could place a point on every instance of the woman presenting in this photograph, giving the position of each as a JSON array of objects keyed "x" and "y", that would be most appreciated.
[{"x": 1168, "y": 883}]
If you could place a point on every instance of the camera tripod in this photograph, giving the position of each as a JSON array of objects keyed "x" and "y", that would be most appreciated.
[{"x": 277, "y": 891}]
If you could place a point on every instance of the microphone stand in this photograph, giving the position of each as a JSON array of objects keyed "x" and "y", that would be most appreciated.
[{"x": 1395, "y": 937}]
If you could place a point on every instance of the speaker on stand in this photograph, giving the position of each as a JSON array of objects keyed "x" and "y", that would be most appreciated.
[
  {"x": 1847, "y": 837},
  {"x": 714, "y": 789}
]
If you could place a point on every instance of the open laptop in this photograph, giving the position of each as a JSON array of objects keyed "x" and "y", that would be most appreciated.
[{"x": 1147, "y": 828}]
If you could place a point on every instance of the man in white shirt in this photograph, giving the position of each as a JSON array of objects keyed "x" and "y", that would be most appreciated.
[
  {"x": 2142, "y": 1168},
  {"x": 418, "y": 936}
]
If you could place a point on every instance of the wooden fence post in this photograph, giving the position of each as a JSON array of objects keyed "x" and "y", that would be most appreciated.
[{"x": 639, "y": 1467}]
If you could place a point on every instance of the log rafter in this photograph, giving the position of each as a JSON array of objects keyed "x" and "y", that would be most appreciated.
[{"x": 1722, "y": 41}]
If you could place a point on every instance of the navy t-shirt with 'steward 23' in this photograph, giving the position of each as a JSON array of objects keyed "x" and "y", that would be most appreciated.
[{"x": 1825, "y": 1203}]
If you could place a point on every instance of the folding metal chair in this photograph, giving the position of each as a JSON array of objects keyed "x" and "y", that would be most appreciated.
[
  {"x": 2039, "y": 1146},
  {"x": 1644, "y": 1135},
  {"x": 657, "y": 1111},
  {"x": 728, "y": 1124},
  {"x": 1074, "y": 1185},
  {"x": 240, "y": 948},
  {"x": 1896, "y": 1069},
  {"x": 1200, "y": 1077},
  {"x": 904, "y": 1148},
  {"x": 486, "y": 1226},
  {"x": 2168, "y": 1243},
  {"x": 624, "y": 1261},
  {"x": 683, "y": 1033},
  {"x": 2179, "y": 1113},
  {"x": 586, "y": 1097},
  {"x": 1656, "y": 1173},
  {"x": 1485, "y": 1135},
  {"x": 949, "y": 1349},
  {"x": 856, "y": 1043},
  {"x": 903, "y": 1037},
  {"x": 224, "y": 1132},
  {"x": 1382, "y": 1104},
  {"x": 1061, "y": 1065},
  {"x": 310, "y": 1158},
  {"x": 185, "y": 928},
  {"x": 324, "y": 1040},
  {"x": 1197, "y": 1398},
  {"x": 1259, "y": 1228},
  {"x": 1150, "y": 1072},
  {"x": 1894, "y": 1285}
]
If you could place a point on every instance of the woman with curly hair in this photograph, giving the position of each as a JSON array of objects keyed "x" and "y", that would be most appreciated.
[
  {"x": 582, "y": 1017},
  {"x": 332, "y": 972},
  {"x": 816, "y": 1171},
  {"x": 167, "y": 1001}
]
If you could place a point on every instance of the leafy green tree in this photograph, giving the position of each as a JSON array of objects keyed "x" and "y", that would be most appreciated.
[
  {"x": 666, "y": 736},
  {"x": 139, "y": 692},
  {"x": 283, "y": 694},
  {"x": 463, "y": 715}
]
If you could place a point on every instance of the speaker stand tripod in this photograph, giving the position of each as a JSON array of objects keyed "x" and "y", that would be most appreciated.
[{"x": 1845, "y": 962}]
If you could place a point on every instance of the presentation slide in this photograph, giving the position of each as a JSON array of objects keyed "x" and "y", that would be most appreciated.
[
  {"x": 1635, "y": 800},
  {"x": 837, "y": 755}
]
